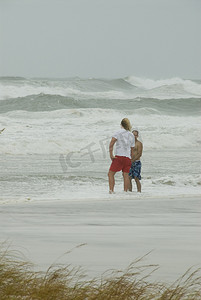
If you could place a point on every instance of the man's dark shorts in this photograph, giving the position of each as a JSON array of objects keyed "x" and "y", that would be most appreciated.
[{"x": 135, "y": 170}]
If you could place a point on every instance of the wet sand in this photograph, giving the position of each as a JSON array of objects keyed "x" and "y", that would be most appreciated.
[{"x": 114, "y": 232}]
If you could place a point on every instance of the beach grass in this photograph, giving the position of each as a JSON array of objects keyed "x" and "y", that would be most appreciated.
[{"x": 19, "y": 280}]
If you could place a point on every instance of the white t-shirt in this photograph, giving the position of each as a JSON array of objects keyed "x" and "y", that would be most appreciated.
[{"x": 125, "y": 140}]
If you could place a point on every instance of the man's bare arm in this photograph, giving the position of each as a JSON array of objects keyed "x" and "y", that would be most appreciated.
[{"x": 111, "y": 146}]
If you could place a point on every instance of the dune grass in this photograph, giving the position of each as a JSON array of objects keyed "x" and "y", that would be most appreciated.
[{"x": 18, "y": 280}]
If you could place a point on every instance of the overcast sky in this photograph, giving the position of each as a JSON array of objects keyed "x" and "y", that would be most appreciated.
[{"x": 100, "y": 38}]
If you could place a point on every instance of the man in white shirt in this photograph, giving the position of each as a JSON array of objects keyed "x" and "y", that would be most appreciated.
[{"x": 125, "y": 143}]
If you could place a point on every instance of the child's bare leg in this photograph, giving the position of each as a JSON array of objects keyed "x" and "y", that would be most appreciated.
[
  {"x": 130, "y": 187},
  {"x": 138, "y": 184}
]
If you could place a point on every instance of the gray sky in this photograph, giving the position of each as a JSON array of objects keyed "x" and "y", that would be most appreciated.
[{"x": 100, "y": 38}]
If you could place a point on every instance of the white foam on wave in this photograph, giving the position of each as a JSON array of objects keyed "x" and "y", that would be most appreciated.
[
  {"x": 178, "y": 180},
  {"x": 149, "y": 84},
  {"x": 77, "y": 191},
  {"x": 148, "y": 88},
  {"x": 88, "y": 191},
  {"x": 82, "y": 184},
  {"x": 67, "y": 130},
  {"x": 11, "y": 91},
  {"x": 65, "y": 89}
]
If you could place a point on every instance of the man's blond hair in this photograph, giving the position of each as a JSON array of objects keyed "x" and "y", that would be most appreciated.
[{"x": 125, "y": 123}]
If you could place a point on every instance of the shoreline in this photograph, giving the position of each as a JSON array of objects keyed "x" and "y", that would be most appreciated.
[{"x": 133, "y": 196}]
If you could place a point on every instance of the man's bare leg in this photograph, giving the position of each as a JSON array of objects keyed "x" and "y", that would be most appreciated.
[
  {"x": 138, "y": 184},
  {"x": 126, "y": 182},
  {"x": 111, "y": 181}
]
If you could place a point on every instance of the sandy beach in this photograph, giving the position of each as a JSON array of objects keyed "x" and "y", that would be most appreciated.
[{"x": 114, "y": 232}]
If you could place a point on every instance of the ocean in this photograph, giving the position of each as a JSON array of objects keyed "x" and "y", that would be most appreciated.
[{"x": 57, "y": 131}]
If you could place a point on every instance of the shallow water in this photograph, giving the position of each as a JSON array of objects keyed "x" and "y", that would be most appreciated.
[{"x": 42, "y": 178}]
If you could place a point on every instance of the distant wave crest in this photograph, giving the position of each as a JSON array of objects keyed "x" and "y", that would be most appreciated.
[
  {"x": 82, "y": 89},
  {"x": 149, "y": 84}
]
